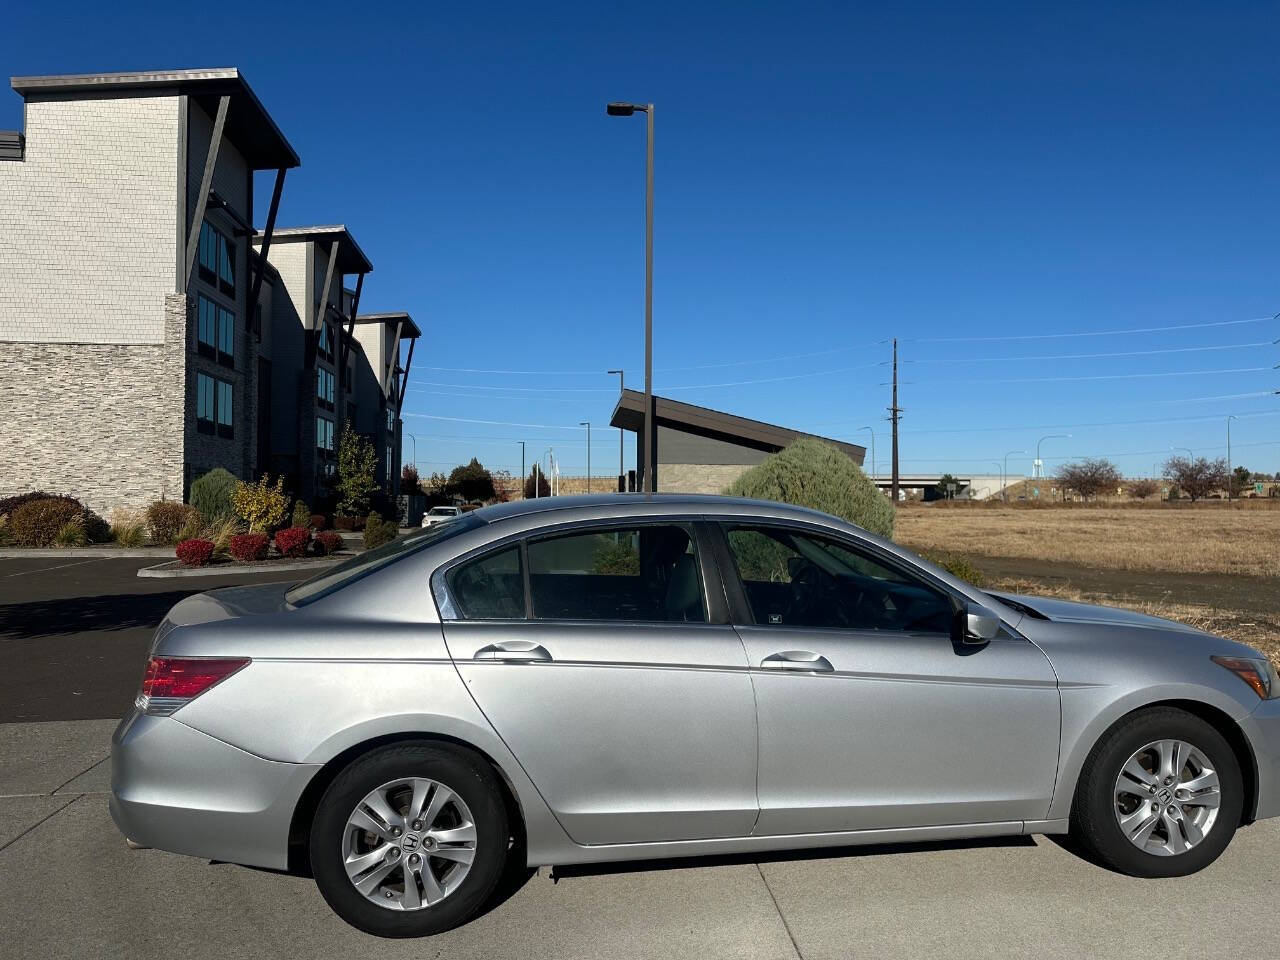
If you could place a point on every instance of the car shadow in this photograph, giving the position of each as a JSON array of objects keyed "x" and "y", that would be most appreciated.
[
  {"x": 786, "y": 856},
  {"x": 64, "y": 615}
]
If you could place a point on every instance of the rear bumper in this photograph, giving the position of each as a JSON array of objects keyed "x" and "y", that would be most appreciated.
[
  {"x": 1262, "y": 727},
  {"x": 175, "y": 788}
]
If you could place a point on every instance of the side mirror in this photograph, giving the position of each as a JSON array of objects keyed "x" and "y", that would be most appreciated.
[{"x": 980, "y": 624}]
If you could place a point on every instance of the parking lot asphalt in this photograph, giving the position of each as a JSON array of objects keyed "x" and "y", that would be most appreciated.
[
  {"x": 74, "y": 631},
  {"x": 70, "y": 888}
]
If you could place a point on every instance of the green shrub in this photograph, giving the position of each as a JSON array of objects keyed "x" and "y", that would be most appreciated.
[
  {"x": 810, "y": 473},
  {"x": 211, "y": 495},
  {"x": 166, "y": 520},
  {"x": 4, "y": 530},
  {"x": 960, "y": 567},
  {"x": 301, "y": 514},
  {"x": 71, "y": 533},
  {"x": 37, "y": 523},
  {"x": 378, "y": 531}
]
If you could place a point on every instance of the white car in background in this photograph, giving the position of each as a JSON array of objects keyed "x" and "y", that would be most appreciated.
[{"x": 439, "y": 515}]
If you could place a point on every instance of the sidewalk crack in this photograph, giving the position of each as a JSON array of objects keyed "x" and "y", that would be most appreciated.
[
  {"x": 785, "y": 926},
  {"x": 42, "y": 820}
]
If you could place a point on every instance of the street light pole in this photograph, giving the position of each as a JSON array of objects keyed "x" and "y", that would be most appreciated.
[
  {"x": 1000, "y": 471},
  {"x": 584, "y": 423},
  {"x": 1006, "y": 472},
  {"x": 626, "y": 110},
  {"x": 415, "y": 448},
  {"x": 622, "y": 386},
  {"x": 1230, "y": 479},
  {"x": 873, "y": 452}
]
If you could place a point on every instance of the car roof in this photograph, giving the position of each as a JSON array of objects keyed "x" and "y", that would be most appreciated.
[{"x": 639, "y": 504}]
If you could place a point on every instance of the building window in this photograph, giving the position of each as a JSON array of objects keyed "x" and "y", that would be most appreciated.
[
  {"x": 217, "y": 259},
  {"x": 391, "y": 420},
  {"x": 216, "y": 332},
  {"x": 325, "y": 343},
  {"x": 324, "y": 435},
  {"x": 390, "y": 474},
  {"x": 324, "y": 388},
  {"x": 214, "y": 406}
]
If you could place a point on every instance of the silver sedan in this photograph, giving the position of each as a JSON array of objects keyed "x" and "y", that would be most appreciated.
[{"x": 571, "y": 680}]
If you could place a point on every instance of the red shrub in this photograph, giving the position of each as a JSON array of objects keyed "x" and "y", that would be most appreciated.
[
  {"x": 249, "y": 546},
  {"x": 194, "y": 553},
  {"x": 292, "y": 541},
  {"x": 317, "y": 521},
  {"x": 328, "y": 541}
]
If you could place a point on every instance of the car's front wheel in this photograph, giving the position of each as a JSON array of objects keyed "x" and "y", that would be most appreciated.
[
  {"x": 1160, "y": 795},
  {"x": 410, "y": 839}
]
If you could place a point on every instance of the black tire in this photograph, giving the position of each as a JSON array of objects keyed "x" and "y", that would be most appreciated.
[
  {"x": 470, "y": 777},
  {"x": 1094, "y": 823}
]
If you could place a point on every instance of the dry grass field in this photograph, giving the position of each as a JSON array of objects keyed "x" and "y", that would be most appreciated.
[
  {"x": 1214, "y": 566},
  {"x": 1207, "y": 538}
]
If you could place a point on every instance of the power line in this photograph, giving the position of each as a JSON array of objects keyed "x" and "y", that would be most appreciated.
[
  {"x": 496, "y": 423},
  {"x": 1091, "y": 333},
  {"x": 1099, "y": 356},
  {"x": 1122, "y": 376}
]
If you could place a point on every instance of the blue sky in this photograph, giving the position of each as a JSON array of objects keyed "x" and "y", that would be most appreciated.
[{"x": 828, "y": 176}]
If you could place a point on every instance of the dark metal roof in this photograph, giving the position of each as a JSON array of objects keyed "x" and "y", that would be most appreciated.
[
  {"x": 249, "y": 125},
  {"x": 409, "y": 331},
  {"x": 351, "y": 258},
  {"x": 704, "y": 422}
]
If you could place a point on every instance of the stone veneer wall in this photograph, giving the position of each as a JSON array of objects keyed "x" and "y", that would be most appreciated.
[
  {"x": 698, "y": 477},
  {"x": 101, "y": 422}
]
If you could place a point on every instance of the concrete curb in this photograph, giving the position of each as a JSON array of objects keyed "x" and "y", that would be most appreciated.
[
  {"x": 234, "y": 569},
  {"x": 104, "y": 553}
]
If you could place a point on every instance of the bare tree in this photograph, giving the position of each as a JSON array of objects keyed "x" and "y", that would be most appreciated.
[
  {"x": 1089, "y": 477},
  {"x": 1197, "y": 477},
  {"x": 1141, "y": 489}
]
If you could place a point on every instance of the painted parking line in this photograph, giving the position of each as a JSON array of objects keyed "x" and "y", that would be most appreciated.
[{"x": 61, "y": 566}]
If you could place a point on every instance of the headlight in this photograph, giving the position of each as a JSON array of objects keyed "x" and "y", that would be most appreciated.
[{"x": 1259, "y": 674}]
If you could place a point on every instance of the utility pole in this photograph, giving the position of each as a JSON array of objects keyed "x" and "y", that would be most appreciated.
[
  {"x": 895, "y": 413},
  {"x": 587, "y": 424},
  {"x": 522, "y": 471}
]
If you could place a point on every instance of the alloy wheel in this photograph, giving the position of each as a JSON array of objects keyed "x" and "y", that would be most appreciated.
[
  {"x": 409, "y": 844},
  {"x": 1167, "y": 797}
]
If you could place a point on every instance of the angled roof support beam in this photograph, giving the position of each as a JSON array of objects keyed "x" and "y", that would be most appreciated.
[
  {"x": 404, "y": 381},
  {"x": 322, "y": 311},
  {"x": 344, "y": 344},
  {"x": 206, "y": 183},
  {"x": 388, "y": 369},
  {"x": 256, "y": 287}
]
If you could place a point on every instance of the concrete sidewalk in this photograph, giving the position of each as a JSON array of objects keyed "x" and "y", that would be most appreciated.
[{"x": 70, "y": 888}]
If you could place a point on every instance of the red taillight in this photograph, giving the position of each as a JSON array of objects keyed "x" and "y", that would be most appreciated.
[{"x": 169, "y": 682}]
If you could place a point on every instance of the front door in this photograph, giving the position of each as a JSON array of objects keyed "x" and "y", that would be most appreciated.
[
  {"x": 870, "y": 715},
  {"x": 591, "y": 653}
]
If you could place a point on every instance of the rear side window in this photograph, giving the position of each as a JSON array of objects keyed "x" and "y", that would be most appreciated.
[
  {"x": 490, "y": 587},
  {"x": 646, "y": 573}
]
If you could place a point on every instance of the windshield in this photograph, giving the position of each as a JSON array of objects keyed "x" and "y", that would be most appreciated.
[
  {"x": 366, "y": 563},
  {"x": 444, "y": 511}
]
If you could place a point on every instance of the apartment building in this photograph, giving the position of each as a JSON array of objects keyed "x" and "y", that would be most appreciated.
[{"x": 131, "y": 360}]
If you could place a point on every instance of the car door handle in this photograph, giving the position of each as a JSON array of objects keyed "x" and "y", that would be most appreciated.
[
  {"x": 514, "y": 651},
  {"x": 798, "y": 660}
]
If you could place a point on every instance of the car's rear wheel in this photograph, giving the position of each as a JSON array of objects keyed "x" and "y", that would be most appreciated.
[
  {"x": 1160, "y": 795},
  {"x": 410, "y": 839}
]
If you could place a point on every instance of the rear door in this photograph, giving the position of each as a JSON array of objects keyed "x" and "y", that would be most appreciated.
[
  {"x": 602, "y": 655},
  {"x": 870, "y": 715}
]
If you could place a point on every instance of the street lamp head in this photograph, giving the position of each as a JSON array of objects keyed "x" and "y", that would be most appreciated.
[
  {"x": 619, "y": 109},
  {"x": 583, "y": 423},
  {"x": 613, "y": 373}
]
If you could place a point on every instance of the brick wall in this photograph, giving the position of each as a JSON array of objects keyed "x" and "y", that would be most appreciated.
[
  {"x": 88, "y": 224},
  {"x": 95, "y": 420}
]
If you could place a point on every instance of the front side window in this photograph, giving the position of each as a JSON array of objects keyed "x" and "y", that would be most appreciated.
[
  {"x": 795, "y": 579},
  {"x": 490, "y": 587},
  {"x": 647, "y": 573}
]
